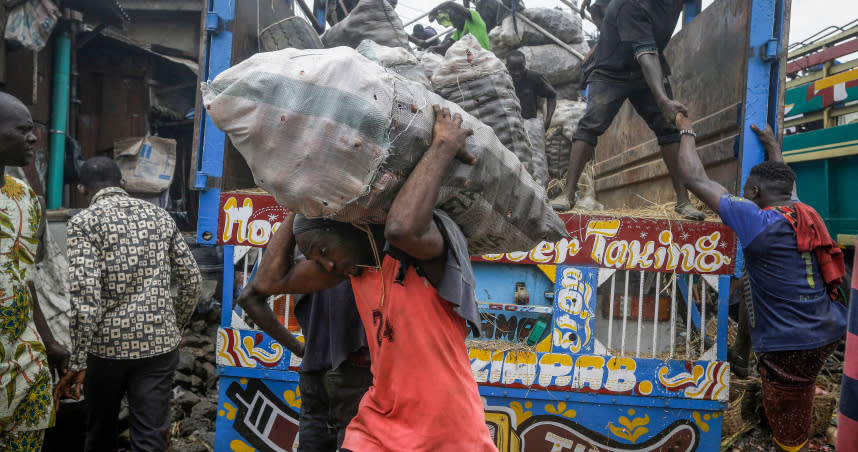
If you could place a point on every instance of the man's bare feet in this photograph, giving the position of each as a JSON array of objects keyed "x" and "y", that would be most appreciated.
[{"x": 689, "y": 212}]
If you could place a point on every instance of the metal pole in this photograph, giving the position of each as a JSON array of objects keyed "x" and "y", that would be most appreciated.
[
  {"x": 577, "y": 10},
  {"x": 59, "y": 118},
  {"x": 417, "y": 18}
]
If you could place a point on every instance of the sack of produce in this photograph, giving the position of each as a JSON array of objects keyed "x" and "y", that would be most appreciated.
[
  {"x": 562, "y": 25},
  {"x": 479, "y": 82},
  {"x": 371, "y": 19},
  {"x": 567, "y": 113},
  {"x": 536, "y": 136},
  {"x": 557, "y": 150},
  {"x": 430, "y": 61},
  {"x": 332, "y": 134},
  {"x": 396, "y": 59},
  {"x": 557, "y": 64}
]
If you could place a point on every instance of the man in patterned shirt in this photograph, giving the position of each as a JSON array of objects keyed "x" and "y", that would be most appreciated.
[
  {"x": 27, "y": 348},
  {"x": 125, "y": 325}
]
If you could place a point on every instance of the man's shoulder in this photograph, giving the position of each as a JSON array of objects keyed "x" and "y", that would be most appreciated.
[{"x": 102, "y": 211}]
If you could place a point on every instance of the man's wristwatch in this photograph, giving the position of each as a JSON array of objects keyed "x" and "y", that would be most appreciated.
[{"x": 688, "y": 132}]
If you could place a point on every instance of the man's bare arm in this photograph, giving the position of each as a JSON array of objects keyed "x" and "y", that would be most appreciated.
[
  {"x": 691, "y": 169},
  {"x": 278, "y": 274},
  {"x": 410, "y": 226},
  {"x": 651, "y": 66}
]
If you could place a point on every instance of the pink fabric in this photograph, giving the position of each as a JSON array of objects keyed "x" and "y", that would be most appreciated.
[
  {"x": 847, "y": 434},
  {"x": 423, "y": 397},
  {"x": 850, "y": 367}
]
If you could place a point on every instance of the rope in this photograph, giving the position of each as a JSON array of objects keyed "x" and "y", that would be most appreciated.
[{"x": 375, "y": 253}]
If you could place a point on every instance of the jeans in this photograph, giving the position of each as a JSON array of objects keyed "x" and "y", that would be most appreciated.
[
  {"x": 329, "y": 401},
  {"x": 147, "y": 382}
]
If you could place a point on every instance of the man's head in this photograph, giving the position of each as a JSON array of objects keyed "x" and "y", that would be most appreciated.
[
  {"x": 16, "y": 132},
  {"x": 515, "y": 63},
  {"x": 99, "y": 173},
  {"x": 450, "y": 13},
  {"x": 769, "y": 183},
  {"x": 418, "y": 32},
  {"x": 339, "y": 248}
]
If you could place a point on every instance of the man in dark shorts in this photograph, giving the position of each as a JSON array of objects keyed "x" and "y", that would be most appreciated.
[
  {"x": 795, "y": 270},
  {"x": 335, "y": 370},
  {"x": 414, "y": 289},
  {"x": 628, "y": 63},
  {"x": 528, "y": 86}
]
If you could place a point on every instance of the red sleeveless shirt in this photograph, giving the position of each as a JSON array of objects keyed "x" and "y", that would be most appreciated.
[{"x": 423, "y": 397}]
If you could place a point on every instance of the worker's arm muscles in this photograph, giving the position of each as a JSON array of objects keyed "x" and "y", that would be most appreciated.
[
  {"x": 691, "y": 170},
  {"x": 410, "y": 226},
  {"x": 635, "y": 27},
  {"x": 278, "y": 274},
  {"x": 651, "y": 66}
]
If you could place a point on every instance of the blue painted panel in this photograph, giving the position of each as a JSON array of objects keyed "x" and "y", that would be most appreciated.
[
  {"x": 575, "y": 308},
  {"x": 496, "y": 283},
  {"x": 257, "y": 414},
  {"x": 218, "y": 59},
  {"x": 524, "y": 422}
]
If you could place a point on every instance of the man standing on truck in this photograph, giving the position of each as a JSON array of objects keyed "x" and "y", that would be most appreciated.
[
  {"x": 335, "y": 371},
  {"x": 628, "y": 63},
  {"x": 464, "y": 20},
  {"x": 528, "y": 86},
  {"x": 125, "y": 324},
  {"x": 414, "y": 288},
  {"x": 795, "y": 271}
]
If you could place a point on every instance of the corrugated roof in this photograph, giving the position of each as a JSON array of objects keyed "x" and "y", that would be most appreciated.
[{"x": 109, "y": 12}]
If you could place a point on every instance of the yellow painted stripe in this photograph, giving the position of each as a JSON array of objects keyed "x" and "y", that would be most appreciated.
[
  {"x": 550, "y": 271},
  {"x": 835, "y": 80},
  {"x": 803, "y": 155},
  {"x": 822, "y": 146}
]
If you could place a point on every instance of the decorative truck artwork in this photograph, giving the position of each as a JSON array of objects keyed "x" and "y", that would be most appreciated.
[{"x": 620, "y": 243}]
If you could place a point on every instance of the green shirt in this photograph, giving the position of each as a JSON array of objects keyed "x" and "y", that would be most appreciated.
[{"x": 476, "y": 27}]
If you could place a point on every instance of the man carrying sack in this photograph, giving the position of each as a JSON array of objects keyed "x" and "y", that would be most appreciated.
[{"x": 414, "y": 288}]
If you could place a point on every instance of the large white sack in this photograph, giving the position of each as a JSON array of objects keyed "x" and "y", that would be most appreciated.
[
  {"x": 430, "y": 62},
  {"x": 371, "y": 19},
  {"x": 332, "y": 134},
  {"x": 396, "y": 59},
  {"x": 567, "y": 113},
  {"x": 503, "y": 40},
  {"x": 557, "y": 64},
  {"x": 479, "y": 82}
]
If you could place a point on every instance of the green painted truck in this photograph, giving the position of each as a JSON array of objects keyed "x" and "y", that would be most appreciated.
[{"x": 821, "y": 127}]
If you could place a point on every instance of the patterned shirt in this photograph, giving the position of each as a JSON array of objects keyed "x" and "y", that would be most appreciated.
[
  {"x": 26, "y": 401},
  {"x": 122, "y": 254}
]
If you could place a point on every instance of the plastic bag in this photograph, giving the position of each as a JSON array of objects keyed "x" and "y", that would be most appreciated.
[{"x": 30, "y": 24}]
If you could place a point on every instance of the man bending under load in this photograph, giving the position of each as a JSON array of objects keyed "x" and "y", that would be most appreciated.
[{"x": 414, "y": 289}]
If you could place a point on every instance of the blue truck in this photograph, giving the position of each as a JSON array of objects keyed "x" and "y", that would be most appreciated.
[{"x": 614, "y": 339}]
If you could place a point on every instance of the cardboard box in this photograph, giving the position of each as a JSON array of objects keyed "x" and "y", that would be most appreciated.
[{"x": 147, "y": 163}]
